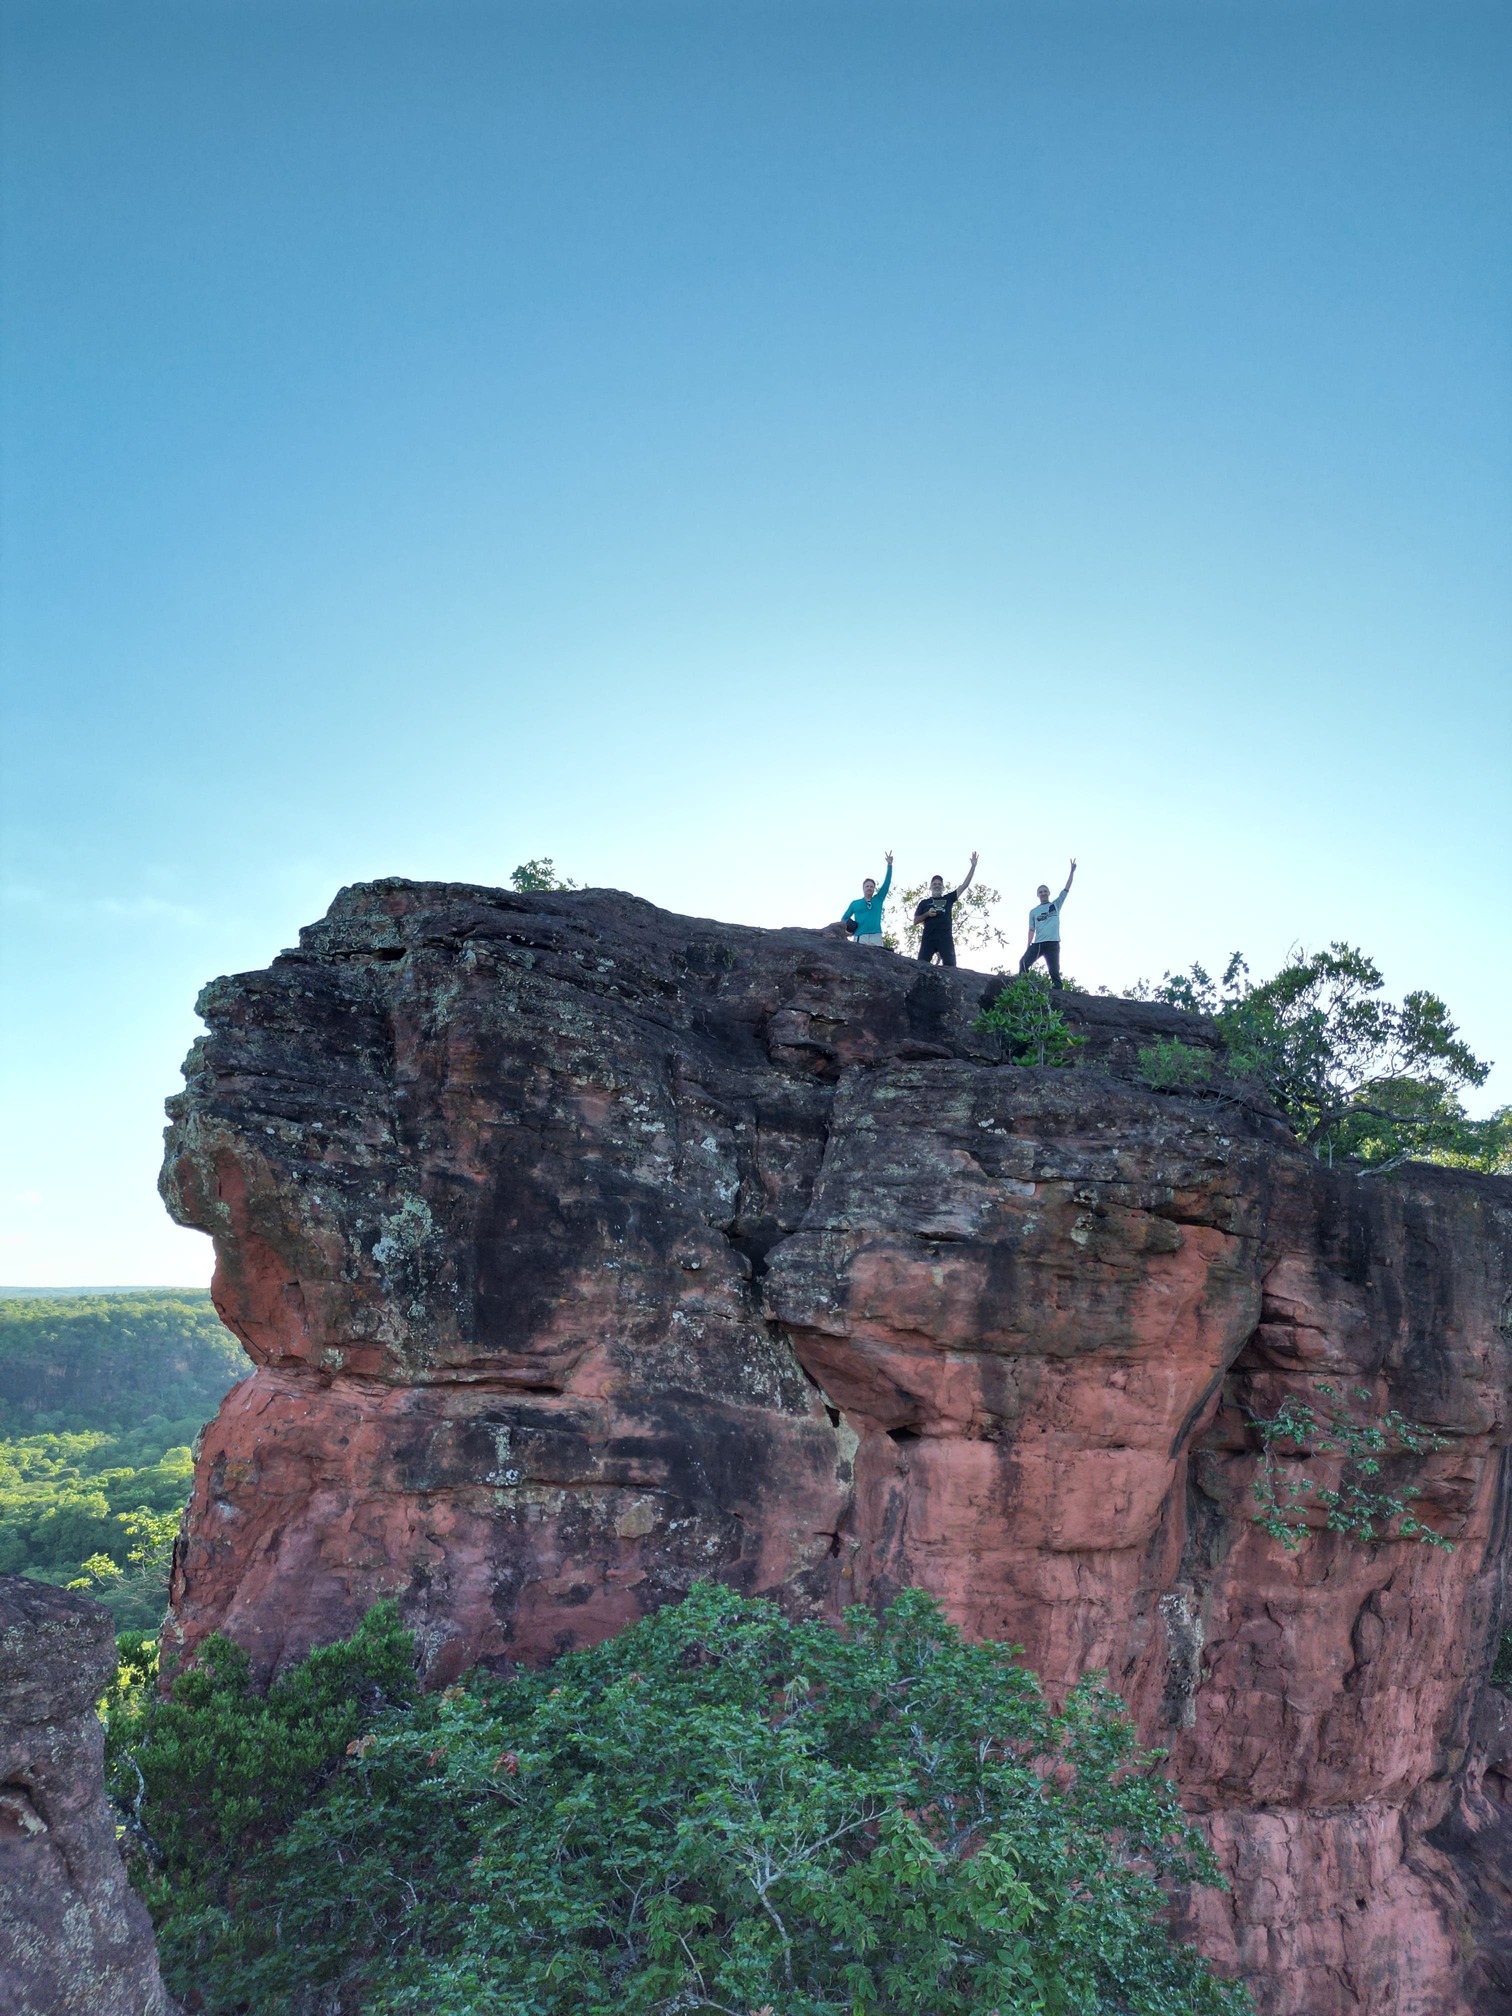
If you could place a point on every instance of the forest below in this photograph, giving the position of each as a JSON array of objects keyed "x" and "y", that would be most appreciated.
[{"x": 101, "y": 1397}]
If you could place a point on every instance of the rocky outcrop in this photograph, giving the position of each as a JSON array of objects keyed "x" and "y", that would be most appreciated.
[
  {"x": 584, "y": 1250},
  {"x": 73, "y": 1937}
]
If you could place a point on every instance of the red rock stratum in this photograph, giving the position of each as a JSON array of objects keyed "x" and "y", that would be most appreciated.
[{"x": 584, "y": 1250}]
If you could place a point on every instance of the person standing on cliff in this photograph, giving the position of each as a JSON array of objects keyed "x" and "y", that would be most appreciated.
[
  {"x": 1044, "y": 930},
  {"x": 937, "y": 915},
  {"x": 865, "y": 913}
]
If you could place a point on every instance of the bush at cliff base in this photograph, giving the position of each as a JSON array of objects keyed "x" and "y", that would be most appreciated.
[{"x": 719, "y": 1810}]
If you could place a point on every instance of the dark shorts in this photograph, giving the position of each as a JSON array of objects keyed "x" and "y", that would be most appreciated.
[{"x": 936, "y": 945}]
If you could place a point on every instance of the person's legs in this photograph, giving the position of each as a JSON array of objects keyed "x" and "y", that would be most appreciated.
[
  {"x": 926, "y": 952},
  {"x": 1051, "y": 950},
  {"x": 1029, "y": 957},
  {"x": 947, "y": 953}
]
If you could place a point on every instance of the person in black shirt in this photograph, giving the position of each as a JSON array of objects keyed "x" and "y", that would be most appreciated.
[{"x": 936, "y": 913}]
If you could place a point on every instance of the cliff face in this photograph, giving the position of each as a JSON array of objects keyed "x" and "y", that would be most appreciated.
[
  {"x": 584, "y": 1250},
  {"x": 73, "y": 1936}
]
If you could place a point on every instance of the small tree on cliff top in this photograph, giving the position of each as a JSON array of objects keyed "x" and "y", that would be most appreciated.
[
  {"x": 1355, "y": 1074},
  {"x": 720, "y": 1810},
  {"x": 539, "y": 876}
]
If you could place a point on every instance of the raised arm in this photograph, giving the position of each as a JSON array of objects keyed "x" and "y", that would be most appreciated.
[
  {"x": 970, "y": 877},
  {"x": 1070, "y": 878},
  {"x": 886, "y": 879}
]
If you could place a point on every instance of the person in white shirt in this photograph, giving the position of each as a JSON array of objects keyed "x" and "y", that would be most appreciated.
[{"x": 1044, "y": 930}]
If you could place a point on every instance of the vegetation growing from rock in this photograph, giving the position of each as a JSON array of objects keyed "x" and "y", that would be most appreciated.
[
  {"x": 1321, "y": 1469},
  {"x": 538, "y": 876},
  {"x": 1357, "y": 1075},
  {"x": 101, "y": 1398},
  {"x": 1174, "y": 1066},
  {"x": 718, "y": 1811},
  {"x": 1033, "y": 1030}
]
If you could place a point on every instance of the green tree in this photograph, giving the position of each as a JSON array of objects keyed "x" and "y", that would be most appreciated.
[
  {"x": 217, "y": 1771},
  {"x": 532, "y": 877},
  {"x": 1356, "y": 1075},
  {"x": 137, "y": 1592},
  {"x": 1024, "y": 1016},
  {"x": 720, "y": 1810}
]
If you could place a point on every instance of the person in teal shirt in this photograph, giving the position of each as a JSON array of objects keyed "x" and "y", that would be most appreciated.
[{"x": 866, "y": 911}]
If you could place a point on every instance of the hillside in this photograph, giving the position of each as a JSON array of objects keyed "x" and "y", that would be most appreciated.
[{"x": 101, "y": 1398}]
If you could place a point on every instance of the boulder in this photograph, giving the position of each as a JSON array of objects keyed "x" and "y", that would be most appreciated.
[{"x": 74, "y": 1939}]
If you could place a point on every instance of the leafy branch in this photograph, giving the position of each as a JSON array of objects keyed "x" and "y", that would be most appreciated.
[{"x": 1286, "y": 1494}]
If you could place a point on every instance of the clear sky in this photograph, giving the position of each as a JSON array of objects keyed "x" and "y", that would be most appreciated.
[{"x": 711, "y": 443}]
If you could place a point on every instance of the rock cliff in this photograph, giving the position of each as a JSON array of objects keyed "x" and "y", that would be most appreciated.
[
  {"x": 585, "y": 1250},
  {"x": 73, "y": 1937}
]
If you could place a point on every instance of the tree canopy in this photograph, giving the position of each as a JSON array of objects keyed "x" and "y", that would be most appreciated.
[
  {"x": 1356, "y": 1074},
  {"x": 721, "y": 1812}
]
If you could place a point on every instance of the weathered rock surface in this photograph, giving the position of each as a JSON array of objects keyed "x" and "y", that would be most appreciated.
[
  {"x": 74, "y": 1940},
  {"x": 584, "y": 1250}
]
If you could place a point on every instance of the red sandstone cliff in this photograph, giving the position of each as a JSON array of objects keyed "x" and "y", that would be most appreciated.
[{"x": 584, "y": 1250}]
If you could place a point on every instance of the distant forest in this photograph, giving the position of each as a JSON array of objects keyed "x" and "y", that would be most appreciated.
[{"x": 101, "y": 1397}]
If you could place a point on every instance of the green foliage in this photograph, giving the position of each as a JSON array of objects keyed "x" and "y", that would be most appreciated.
[
  {"x": 1484, "y": 1146},
  {"x": 1174, "y": 1066},
  {"x": 1356, "y": 1075},
  {"x": 216, "y": 1771},
  {"x": 1301, "y": 1451},
  {"x": 70, "y": 1510},
  {"x": 103, "y": 1396},
  {"x": 539, "y": 876},
  {"x": 136, "y": 1592},
  {"x": 1501, "y": 1670},
  {"x": 972, "y": 928},
  {"x": 1034, "y": 1031},
  {"x": 719, "y": 1810}
]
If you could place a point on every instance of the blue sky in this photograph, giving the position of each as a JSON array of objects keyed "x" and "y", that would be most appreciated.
[{"x": 712, "y": 443}]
